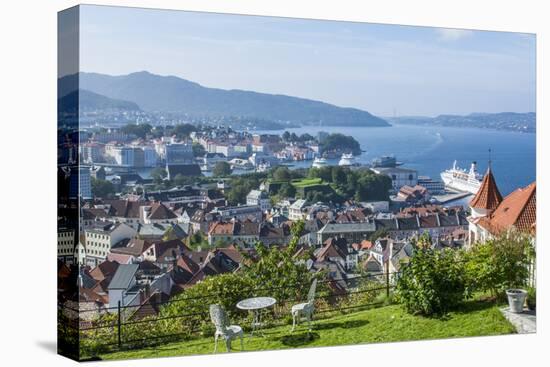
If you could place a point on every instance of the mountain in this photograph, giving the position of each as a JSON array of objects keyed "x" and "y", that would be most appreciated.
[
  {"x": 93, "y": 101},
  {"x": 514, "y": 121},
  {"x": 172, "y": 94}
]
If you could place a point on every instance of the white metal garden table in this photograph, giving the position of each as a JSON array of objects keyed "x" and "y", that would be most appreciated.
[{"x": 256, "y": 304}]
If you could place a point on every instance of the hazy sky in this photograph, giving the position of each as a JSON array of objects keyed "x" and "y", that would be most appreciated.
[{"x": 379, "y": 68}]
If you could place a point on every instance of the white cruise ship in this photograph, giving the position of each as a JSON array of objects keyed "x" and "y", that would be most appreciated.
[
  {"x": 319, "y": 162},
  {"x": 347, "y": 160},
  {"x": 462, "y": 180}
]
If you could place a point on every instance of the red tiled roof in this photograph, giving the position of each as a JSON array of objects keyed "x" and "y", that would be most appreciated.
[
  {"x": 488, "y": 196},
  {"x": 519, "y": 209}
]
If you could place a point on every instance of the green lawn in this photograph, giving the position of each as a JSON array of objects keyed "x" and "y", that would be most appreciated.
[
  {"x": 385, "y": 324},
  {"x": 305, "y": 182}
]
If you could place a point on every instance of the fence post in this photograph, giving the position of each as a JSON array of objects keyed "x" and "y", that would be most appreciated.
[
  {"x": 118, "y": 326},
  {"x": 388, "y": 280}
]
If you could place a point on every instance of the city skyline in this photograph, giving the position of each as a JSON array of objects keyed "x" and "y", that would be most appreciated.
[{"x": 384, "y": 69}]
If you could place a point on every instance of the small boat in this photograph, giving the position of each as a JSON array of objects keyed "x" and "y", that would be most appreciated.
[
  {"x": 346, "y": 160},
  {"x": 319, "y": 162}
]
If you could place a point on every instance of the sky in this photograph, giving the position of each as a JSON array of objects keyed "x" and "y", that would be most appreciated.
[{"x": 385, "y": 69}]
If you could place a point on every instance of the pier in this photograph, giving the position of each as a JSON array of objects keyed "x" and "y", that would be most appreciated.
[{"x": 451, "y": 196}]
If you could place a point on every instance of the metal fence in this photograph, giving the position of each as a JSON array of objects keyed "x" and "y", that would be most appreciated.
[{"x": 116, "y": 327}]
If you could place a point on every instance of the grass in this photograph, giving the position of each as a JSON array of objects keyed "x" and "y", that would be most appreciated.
[
  {"x": 385, "y": 324},
  {"x": 305, "y": 182}
]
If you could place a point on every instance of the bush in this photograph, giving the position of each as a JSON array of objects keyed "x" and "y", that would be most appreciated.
[
  {"x": 433, "y": 282},
  {"x": 500, "y": 263},
  {"x": 532, "y": 298}
]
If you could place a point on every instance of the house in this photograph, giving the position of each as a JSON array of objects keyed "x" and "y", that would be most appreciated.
[
  {"x": 158, "y": 213},
  {"x": 259, "y": 198},
  {"x": 101, "y": 237},
  {"x": 352, "y": 232},
  {"x": 337, "y": 250},
  {"x": 388, "y": 255},
  {"x": 416, "y": 194},
  {"x": 242, "y": 212},
  {"x": 139, "y": 249},
  {"x": 491, "y": 214},
  {"x": 272, "y": 235},
  {"x": 123, "y": 211},
  {"x": 123, "y": 287},
  {"x": 245, "y": 233},
  {"x": 295, "y": 211}
]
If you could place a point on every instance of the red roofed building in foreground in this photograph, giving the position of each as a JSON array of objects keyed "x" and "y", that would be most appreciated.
[{"x": 492, "y": 214}]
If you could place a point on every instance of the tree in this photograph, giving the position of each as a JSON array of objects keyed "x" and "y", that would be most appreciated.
[
  {"x": 433, "y": 282},
  {"x": 275, "y": 271},
  {"x": 158, "y": 174},
  {"x": 340, "y": 143},
  {"x": 183, "y": 130},
  {"x": 339, "y": 175},
  {"x": 281, "y": 174},
  {"x": 181, "y": 180},
  {"x": 379, "y": 233},
  {"x": 221, "y": 169},
  {"x": 102, "y": 188},
  {"x": 500, "y": 263},
  {"x": 139, "y": 130},
  {"x": 286, "y": 191},
  {"x": 198, "y": 150}
]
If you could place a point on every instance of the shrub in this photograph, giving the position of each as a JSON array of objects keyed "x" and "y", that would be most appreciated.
[
  {"x": 500, "y": 263},
  {"x": 433, "y": 282},
  {"x": 532, "y": 298}
]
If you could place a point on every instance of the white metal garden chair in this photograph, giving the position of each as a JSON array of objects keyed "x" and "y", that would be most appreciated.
[
  {"x": 306, "y": 309},
  {"x": 223, "y": 329}
]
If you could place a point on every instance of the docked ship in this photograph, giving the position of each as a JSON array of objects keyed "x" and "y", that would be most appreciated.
[
  {"x": 462, "y": 180},
  {"x": 346, "y": 160},
  {"x": 384, "y": 161},
  {"x": 319, "y": 162}
]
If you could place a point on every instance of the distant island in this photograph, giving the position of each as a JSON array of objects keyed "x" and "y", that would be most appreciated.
[
  {"x": 185, "y": 99},
  {"x": 513, "y": 121}
]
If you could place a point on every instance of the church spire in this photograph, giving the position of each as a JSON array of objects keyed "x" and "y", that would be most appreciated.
[{"x": 488, "y": 196}]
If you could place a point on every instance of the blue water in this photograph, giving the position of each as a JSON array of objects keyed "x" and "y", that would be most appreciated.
[{"x": 432, "y": 150}]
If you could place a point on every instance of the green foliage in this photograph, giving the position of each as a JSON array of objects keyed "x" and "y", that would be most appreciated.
[
  {"x": 379, "y": 233},
  {"x": 240, "y": 186},
  {"x": 276, "y": 273},
  {"x": 221, "y": 169},
  {"x": 433, "y": 282},
  {"x": 158, "y": 174},
  {"x": 532, "y": 298},
  {"x": 500, "y": 263},
  {"x": 181, "y": 131},
  {"x": 286, "y": 190},
  {"x": 198, "y": 150},
  {"x": 362, "y": 185},
  {"x": 340, "y": 143},
  {"x": 281, "y": 174},
  {"x": 197, "y": 240},
  {"x": 139, "y": 130},
  {"x": 224, "y": 289},
  {"x": 102, "y": 188}
]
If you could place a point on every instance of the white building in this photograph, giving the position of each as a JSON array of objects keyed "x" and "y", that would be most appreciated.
[
  {"x": 399, "y": 176},
  {"x": 295, "y": 211},
  {"x": 101, "y": 237},
  {"x": 65, "y": 245},
  {"x": 260, "y": 198}
]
